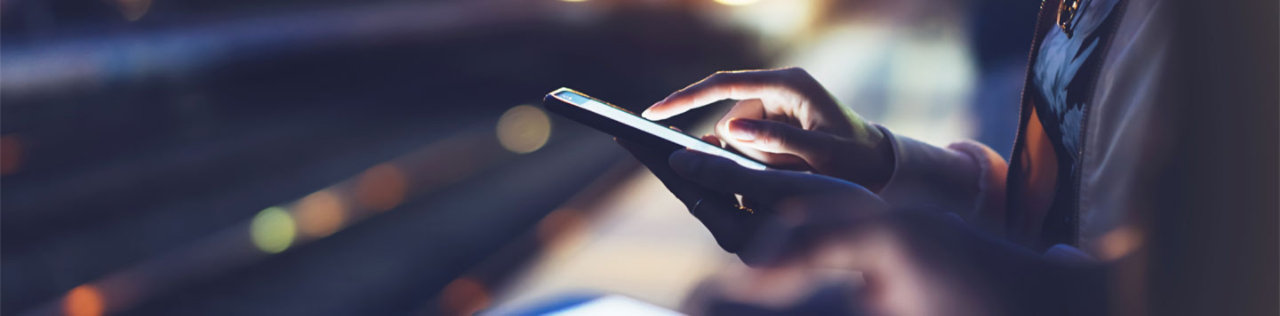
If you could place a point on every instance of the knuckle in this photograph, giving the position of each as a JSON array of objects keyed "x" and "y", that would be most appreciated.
[
  {"x": 717, "y": 81},
  {"x": 795, "y": 78},
  {"x": 795, "y": 73},
  {"x": 718, "y": 76},
  {"x": 793, "y": 70},
  {"x": 776, "y": 135},
  {"x": 730, "y": 90}
]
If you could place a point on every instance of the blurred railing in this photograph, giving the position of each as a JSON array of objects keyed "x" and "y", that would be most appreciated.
[{"x": 229, "y": 159}]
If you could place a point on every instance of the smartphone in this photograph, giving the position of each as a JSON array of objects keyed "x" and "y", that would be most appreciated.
[
  {"x": 585, "y": 304},
  {"x": 623, "y": 124}
]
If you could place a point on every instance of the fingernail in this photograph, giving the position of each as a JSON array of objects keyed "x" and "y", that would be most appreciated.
[
  {"x": 743, "y": 130},
  {"x": 647, "y": 114}
]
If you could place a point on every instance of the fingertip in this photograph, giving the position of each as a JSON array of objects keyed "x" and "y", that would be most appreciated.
[
  {"x": 711, "y": 138},
  {"x": 653, "y": 113}
]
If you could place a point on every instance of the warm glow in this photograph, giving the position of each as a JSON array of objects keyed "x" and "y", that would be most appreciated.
[
  {"x": 10, "y": 154},
  {"x": 382, "y": 187},
  {"x": 133, "y": 9},
  {"x": 272, "y": 230},
  {"x": 736, "y": 2},
  {"x": 559, "y": 222},
  {"x": 524, "y": 129},
  {"x": 464, "y": 296},
  {"x": 320, "y": 214},
  {"x": 1120, "y": 242},
  {"x": 84, "y": 300},
  {"x": 574, "y": 0},
  {"x": 782, "y": 25}
]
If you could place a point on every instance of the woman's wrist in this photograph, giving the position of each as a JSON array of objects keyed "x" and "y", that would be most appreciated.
[{"x": 871, "y": 157}]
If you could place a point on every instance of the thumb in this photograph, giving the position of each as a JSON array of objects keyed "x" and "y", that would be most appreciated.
[{"x": 781, "y": 138}]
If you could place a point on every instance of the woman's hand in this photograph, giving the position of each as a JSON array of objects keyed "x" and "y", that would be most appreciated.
[
  {"x": 707, "y": 185},
  {"x": 786, "y": 119}
]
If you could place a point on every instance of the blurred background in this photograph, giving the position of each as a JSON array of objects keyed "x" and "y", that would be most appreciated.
[{"x": 231, "y": 157}]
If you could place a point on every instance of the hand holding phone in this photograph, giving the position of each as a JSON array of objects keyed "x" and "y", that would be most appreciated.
[
  {"x": 653, "y": 144},
  {"x": 788, "y": 120},
  {"x": 706, "y": 178}
]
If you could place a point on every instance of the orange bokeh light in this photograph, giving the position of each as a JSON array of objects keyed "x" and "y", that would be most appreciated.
[
  {"x": 382, "y": 187},
  {"x": 10, "y": 154},
  {"x": 84, "y": 300},
  {"x": 133, "y": 9},
  {"x": 1120, "y": 242},
  {"x": 464, "y": 296},
  {"x": 320, "y": 214},
  {"x": 558, "y": 222}
]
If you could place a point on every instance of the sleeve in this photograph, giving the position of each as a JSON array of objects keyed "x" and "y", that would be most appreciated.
[{"x": 965, "y": 178}]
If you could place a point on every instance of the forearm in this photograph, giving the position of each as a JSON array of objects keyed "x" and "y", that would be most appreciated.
[{"x": 966, "y": 178}]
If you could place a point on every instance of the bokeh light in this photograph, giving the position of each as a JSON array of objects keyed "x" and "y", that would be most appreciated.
[
  {"x": 558, "y": 222},
  {"x": 524, "y": 129},
  {"x": 736, "y": 2},
  {"x": 84, "y": 300},
  {"x": 10, "y": 154},
  {"x": 320, "y": 214},
  {"x": 133, "y": 10},
  {"x": 779, "y": 23},
  {"x": 382, "y": 187},
  {"x": 1120, "y": 242},
  {"x": 272, "y": 230},
  {"x": 464, "y": 296}
]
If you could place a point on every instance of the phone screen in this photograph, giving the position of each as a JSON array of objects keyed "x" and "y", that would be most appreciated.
[
  {"x": 617, "y": 114},
  {"x": 584, "y": 304},
  {"x": 614, "y": 305}
]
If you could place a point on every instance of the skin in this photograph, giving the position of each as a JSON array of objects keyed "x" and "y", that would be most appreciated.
[
  {"x": 786, "y": 119},
  {"x": 783, "y": 118},
  {"x": 822, "y": 214},
  {"x": 706, "y": 184},
  {"x": 915, "y": 263}
]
